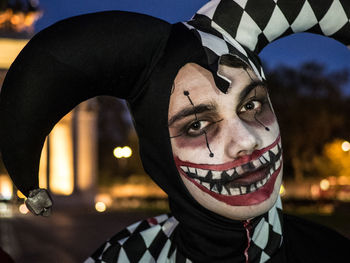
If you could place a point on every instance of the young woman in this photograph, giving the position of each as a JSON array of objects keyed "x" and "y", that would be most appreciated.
[{"x": 211, "y": 141}]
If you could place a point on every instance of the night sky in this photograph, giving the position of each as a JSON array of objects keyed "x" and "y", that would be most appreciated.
[{"x": 292, "y": 50}]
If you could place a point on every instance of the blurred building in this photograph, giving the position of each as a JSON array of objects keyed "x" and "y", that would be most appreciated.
[{"x": 68, "y": 165}]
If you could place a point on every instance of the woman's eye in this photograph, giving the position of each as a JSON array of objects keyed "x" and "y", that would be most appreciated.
[{"x": 251, "y": 105}]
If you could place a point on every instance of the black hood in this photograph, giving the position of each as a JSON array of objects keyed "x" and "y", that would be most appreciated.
[{"x": 202, "y": 235}]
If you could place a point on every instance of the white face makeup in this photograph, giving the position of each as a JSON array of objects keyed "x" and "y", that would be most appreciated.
[{"x": 226, "y": 147}]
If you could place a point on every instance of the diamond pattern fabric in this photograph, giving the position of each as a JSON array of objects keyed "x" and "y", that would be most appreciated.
[
  {"x": 253, "y": 24},
  {"x": 145, "y": 241},
  {"x": 267, "y": 235},
  {"x": 151, "y": 240},
  {"x": 250, "y": 22}
]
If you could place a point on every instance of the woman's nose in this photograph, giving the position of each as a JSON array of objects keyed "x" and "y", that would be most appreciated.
[{"x": 241, "y": 139}]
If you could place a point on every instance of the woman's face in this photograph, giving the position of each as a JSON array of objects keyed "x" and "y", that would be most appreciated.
[{"x": 226, "y": 147}]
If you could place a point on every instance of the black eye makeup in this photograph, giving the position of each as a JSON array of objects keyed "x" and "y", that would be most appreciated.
[
  {"x": 255, "y": 104},
  {"x": 252, "y": 105},
  {"x": 196, "y": 128},
  {"x": 199, "y": 125}
]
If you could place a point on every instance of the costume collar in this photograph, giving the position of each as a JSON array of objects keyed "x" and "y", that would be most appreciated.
[{"x": 255, "y": 240}]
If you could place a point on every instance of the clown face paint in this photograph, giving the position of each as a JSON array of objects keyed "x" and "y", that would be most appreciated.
[{"x": 227, "y": 147}]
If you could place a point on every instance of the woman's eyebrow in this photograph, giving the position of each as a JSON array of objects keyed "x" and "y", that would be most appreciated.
[
  {"x": 191, "y": 110},
  {"x": 252, "y": 85}
]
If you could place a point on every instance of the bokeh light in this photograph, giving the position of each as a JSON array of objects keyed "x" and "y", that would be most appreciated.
[
  {"x": 122, "y": 152},
  {"x": 127, "y": 151},
  {"x": 104, "y": 198},
  {"x": 324, "y": 184},
  {"x": 315, "y": 191},
  {"x": 345, "y": 146},
  {"x": 282, "y": 190},
  {"x": 118, "y": 152},
  {"x": 100, "y": 207},
  {"x": 6, "y": 189}
]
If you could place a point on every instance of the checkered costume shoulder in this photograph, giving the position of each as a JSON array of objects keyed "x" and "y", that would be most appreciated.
[
  {"x": 151, "y": 240},
  {"x": 144, "y": 241}
]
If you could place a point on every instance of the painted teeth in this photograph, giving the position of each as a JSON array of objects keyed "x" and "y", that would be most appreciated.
[
  {"x": 216, "y": 174},
  {"x": 224, "y": 191},
  {"x": 266, "y": 156},
  {"x": 215, "y": 189},
  {"x": 259, "y": 184},
  {"x": 235, "y": 191},
  {"x": 252, "y": 188},
  {"x": 256, "y": 163},
  {"x": 219, "y": 181},
  {"x": 278, "y": 163},
  {"x": 239, "y": 170},
  {"x": 192, "y": 170},
  {"x": 262, "y": 160},
  {"x": 275, "y": 150},
  {"x": 230, "y": 172},
  {"x": 200, "y": 172}
]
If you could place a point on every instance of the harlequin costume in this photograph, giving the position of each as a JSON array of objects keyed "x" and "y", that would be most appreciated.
[{"x": 136, "y": 57}]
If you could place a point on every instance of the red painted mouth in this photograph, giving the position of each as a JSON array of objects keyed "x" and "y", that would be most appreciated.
[{"x": 253, "y": 184}]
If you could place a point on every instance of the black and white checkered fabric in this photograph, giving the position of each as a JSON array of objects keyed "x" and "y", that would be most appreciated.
[
  {"x": 240, "y": 26},
  {"x": 266, "y": 237},
  {"x": 146, "y": 241},
  {"x": 151, "y": 240}
]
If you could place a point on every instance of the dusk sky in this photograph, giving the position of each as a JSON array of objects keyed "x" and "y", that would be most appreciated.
[{"x": 292, "y": 50}]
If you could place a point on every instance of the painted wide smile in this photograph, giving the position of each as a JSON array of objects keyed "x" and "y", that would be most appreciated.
[{"x": 241, "y": 177}]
